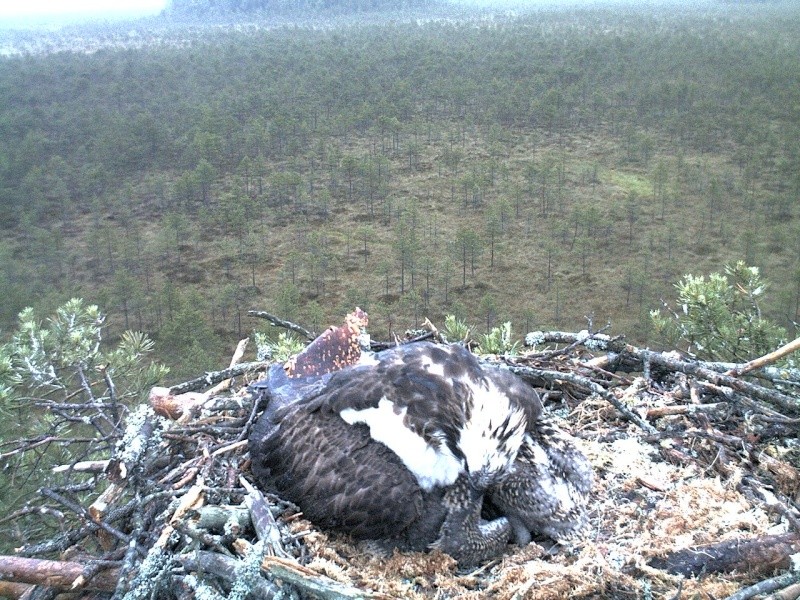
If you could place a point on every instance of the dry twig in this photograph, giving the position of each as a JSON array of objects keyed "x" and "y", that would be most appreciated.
[
  {"x": 766, "y": 586},
  {"x": 278, "y": 322}
]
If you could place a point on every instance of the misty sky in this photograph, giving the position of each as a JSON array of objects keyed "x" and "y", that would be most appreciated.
[{"x": 22, "y": 8}]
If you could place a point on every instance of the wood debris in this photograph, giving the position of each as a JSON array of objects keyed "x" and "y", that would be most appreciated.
[{"x": 697, "y": 494}]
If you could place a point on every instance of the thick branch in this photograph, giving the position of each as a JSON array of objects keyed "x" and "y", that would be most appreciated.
[
  {"x": 9, "y": 589},
  {"x": 312, "y": 582},
  {"x": 767, "y": 586},
  {"x": 54, "y": 573},
  {"x": 592, "y": 341},
  {"x": 263, "y": 521},
  {"x": 685, "y": 409},
  {"x": 764, "y": 553},
  {"x": 617, "y": 345},
  {"x": 83, "y": 513},
  {"x": 226, "y": 568},
  {"x": 671, "y": 363}
]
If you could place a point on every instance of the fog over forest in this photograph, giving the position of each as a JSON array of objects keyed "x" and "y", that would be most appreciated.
[{"x": 22, "y": 16}]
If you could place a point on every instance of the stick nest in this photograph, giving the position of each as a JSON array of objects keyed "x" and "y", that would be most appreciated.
[{"x": 687, "y": 460}]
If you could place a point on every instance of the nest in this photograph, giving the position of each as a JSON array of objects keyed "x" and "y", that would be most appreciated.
[{"x": 694, "y": 495}]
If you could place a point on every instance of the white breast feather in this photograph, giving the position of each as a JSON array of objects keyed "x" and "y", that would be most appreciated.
[
  {"x": 480, "y": 434},
  {"x": 431, "y": 466}
]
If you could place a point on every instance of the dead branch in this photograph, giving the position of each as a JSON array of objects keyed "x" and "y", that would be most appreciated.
[
  {"x": 192, "y": 500},
  {"x": 772, "y": 499},
  {"x": 237, "y": 356},
  {"x": 214, "y": 377},
  {"x": 765, "y": 360},
  {"x": 54, "y": 573},
  {"x": 175, "y": 406},
  {"x": 83, "y": 514},
  {"x": 58, "y": 543},
  {"x": 685, "y": 409},
  {"x": 133, "y": 451},
  {"x": 181, "y": 406},
  {"x": 98, "y": 509},
  {"x": 112, "y": 396},
  {"x": 31, "y": 444},
  {"x": 775, "y": 375},
  {"x": 84, "y": 466},
  {"x": 262, "y": 519},
  {"x": 277, "y": 322},
  {"x": 216, "y": 518},
  {"x": 597, "y": 341},
  {"x": 670, "y": 362},
  {"x": 228, "y": 569},
  {"x": 790, "y": 592},
  {"x": 312, "y": 582},
  {"x": 767, "y": 586},
  {"x": 616, "y": 346},
  {"x": 592, "y": 341},
  {"x": 377, "y": 346},
  {"x": 9, "y": 589},
  {"x": 182, "y": 500},
  {"x": 763, "y": 554},
  {"x": 202, "y": 538},
  {"x": 131, "y": 556}
]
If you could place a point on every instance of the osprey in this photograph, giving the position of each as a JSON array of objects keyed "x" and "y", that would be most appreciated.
[{"x": 414, "y": 447}]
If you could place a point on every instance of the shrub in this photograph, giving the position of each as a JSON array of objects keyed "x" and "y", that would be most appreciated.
[{"x": 719, "y": 317}]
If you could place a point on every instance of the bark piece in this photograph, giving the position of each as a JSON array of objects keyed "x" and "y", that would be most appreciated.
[
  {"x": 10, "y": 589},
  {"x": 53, "y": 573},
  {"x": 765, "y": 553}
]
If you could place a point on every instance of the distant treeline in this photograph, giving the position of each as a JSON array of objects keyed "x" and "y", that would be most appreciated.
[{"x": 219, "y": 7}]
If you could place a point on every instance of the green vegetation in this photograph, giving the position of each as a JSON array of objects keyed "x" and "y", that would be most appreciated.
[
  {"x": 64, "y": 393},
  {"x": 455, "y": 329},
  {"x": 66, "y": 352},
  {"x": 720, "y": 318},
  {"x": 564, "y": 164},
  {"x": 499, "y": 340},
  {"x": 279, "y": 350}
]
